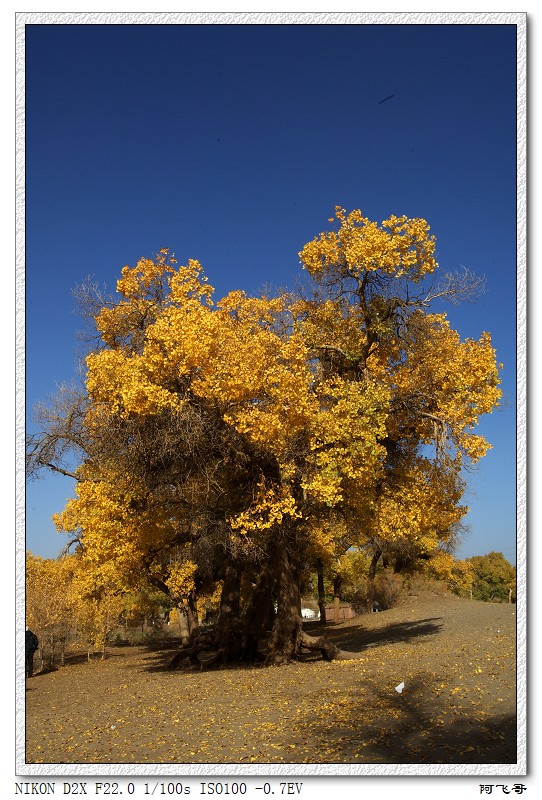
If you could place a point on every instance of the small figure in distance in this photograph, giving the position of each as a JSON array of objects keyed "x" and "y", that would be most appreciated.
[
  {"x": 31, "y": 644},
  {"x": 377, "y": 606}
]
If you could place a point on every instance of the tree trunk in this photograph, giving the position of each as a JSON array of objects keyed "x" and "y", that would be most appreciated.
[
  {"x": 230, "y": 597},
  {"x": 238, "y": 639},
  {"x": 229, "y": 628},
  {"x": 371, "y": 580},
  {"x": 337, "y": 584},
  {"x": 183, "y": 624},
  {"x": 260, "y": 615},
  {"x": 286, "y": 635},
  {"x": 328, "y": 649},
  {"x": 321, "y": 591},
  {"x": 192, "y": 615}
]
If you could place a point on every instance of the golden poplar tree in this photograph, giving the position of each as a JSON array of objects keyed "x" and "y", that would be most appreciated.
[{"x": 221, "y": 439}]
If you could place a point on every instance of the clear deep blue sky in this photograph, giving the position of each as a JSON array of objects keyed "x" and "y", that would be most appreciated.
[{"x": 232, "y": 144}]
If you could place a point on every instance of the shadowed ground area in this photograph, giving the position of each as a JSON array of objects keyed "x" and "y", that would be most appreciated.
[{"x": 456, "y": 658}]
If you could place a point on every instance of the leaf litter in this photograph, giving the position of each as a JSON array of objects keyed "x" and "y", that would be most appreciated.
[{"x": 456, "y": 659}]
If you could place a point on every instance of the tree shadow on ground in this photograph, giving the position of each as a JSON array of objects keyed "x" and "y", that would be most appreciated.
[
  {"x": 75, "y": 659},
  {"x": 414, "y": 727},
  {"x": 82, "y": 658},
  {"x": 357, "y": 637},
  {"x": 354, "y": 639},
  {"x": 160, "y": 661},
  {"x": 45, "y": 670}
]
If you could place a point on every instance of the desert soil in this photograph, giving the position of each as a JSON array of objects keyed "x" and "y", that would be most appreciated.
[{"x": 455, "y": 657}]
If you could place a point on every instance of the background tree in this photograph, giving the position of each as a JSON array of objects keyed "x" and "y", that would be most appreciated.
[
  {"x": 144, "y": 605},
  {"x": 458, "y": 575},
  {"x": 97, "y": 610},
  {"x": 49, "y": 605},
  {"x": 494, "y": 578}
]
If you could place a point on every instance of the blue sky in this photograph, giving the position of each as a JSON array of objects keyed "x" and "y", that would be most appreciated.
[{"x": 232, "y": 144}]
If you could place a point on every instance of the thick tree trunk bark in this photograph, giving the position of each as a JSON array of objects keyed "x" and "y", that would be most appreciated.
[
  {"x": 230, "y": 603},
  {"x": 286, "y": 635},
  {"x": 230, "y": 631},
  {"x": 192, "y": 614},
  {"x": 183, "y": 624},
  {"x": 260, "y": 615},
  {"x": 237, "y": 639}
]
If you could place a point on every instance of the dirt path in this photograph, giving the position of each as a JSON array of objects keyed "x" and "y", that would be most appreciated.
[{"x": 456, "y": 659}]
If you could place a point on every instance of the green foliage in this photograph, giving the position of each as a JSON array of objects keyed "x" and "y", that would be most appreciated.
[
  {"x": 143, "y": 603},
  {"x": 494, "y": 577}
]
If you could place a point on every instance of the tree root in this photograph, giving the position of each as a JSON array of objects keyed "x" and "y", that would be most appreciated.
[
  {"x": 205, "y": 653},
  {"x": 329, "y": 651}
]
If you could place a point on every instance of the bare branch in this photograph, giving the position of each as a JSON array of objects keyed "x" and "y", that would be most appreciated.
[{"x": 463, "y": 285}]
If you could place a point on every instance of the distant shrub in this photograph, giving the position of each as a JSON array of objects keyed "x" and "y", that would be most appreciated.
[
  {"x": 387, "y": 590},
  {"x": 357, "y": 597},
  {"x": 388, "y": 587},
  {"x": 418, "y": 583},
  {"x": 120, "y": 641}
]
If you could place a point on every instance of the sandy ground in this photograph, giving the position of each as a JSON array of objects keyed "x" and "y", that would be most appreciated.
[{"x": 455, "y": 657}]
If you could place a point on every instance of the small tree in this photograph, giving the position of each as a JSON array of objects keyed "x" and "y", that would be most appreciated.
[
  {"x": 97, "y": 608},
  {"x": 494, "y": 577},
  {"x": 388, "y": 587},
  {"x": 49, "y": 606},
  {"x": 457, "y": 575},
  {"x": 144, "y": 604}
]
